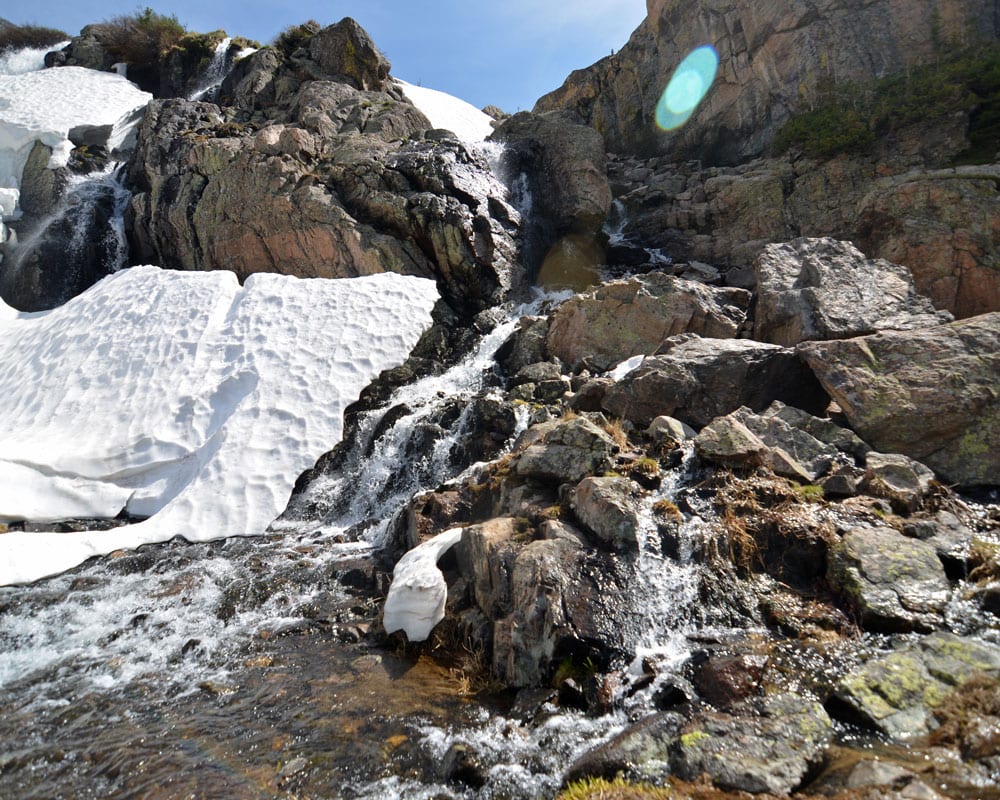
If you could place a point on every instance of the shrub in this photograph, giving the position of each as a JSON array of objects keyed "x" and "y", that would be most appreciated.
[
  {"x": 296, "y": 36},
  {"x": 142, "y": 38},
  {"x": 18, "y": 37}
]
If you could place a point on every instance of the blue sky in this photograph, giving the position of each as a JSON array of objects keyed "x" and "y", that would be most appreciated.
[{"x": 506, "y": 53}]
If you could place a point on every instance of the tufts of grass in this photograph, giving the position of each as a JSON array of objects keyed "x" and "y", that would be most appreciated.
[
  {"x": 296, "y": 36},
  {"x": 141, "y": 39},
  {"x": 617, "y": 789}
]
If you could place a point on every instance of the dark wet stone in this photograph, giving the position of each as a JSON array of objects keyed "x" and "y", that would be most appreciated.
[{"x": 639, "y": 752}]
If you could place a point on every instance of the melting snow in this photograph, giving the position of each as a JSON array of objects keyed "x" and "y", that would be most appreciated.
[
  {"x": 448, "y": 112},
  {"x": 184, "y": 397},
  {"x": 417, "y": 596}
]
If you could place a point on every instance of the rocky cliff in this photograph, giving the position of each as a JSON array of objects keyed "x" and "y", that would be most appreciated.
[{"x": 775, "y": 60}]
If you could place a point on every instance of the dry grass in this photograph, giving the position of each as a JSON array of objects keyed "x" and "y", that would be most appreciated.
[{"x": 984, "y": 561}]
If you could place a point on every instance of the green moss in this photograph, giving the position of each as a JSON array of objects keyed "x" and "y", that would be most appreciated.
[
  {"x": 809, "y": 492},
  {"x": 694, "y": 738}
]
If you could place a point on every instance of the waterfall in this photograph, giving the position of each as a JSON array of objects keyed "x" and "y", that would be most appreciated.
[
  {"x": 217, "y": 69},
  {"x": 25, "y": 60}
]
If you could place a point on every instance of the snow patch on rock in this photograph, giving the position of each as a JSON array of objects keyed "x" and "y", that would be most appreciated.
[{"x": 446, "y": 111}]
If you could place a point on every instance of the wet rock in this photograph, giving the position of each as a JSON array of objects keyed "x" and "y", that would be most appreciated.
[
  {"x": 893, "y": 583},
  {"x": 567, "y": 603},
  {"x": 486, "y": 555},
  {"x": 844, "y": 481},
  {"x": 826, "y": 289},
  {"x": 772, "y": 746},
  {"x": 565, "y": 451},
  {"x": 900, "y": 480},
  {"x": 726, "y": 680},
  {"x": 641, "y": 751},
  {"x": 697, "y": 380},
  {"x": 606, "y": 507},
  {"x": 463, "y": 764},
  {"x": 930, "y": 394},
  {"x": 633, "y": 317},
  {"x": 898, "y": 692},
  {"x": 525, "y": 346}
]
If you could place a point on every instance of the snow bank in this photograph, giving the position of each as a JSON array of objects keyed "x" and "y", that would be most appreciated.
[
  {"x": 418, "y": 594},
  {"x": 45, "y": 105},
  {"x": 448, "y": 112},
  {"x": 183, "y": 397}
]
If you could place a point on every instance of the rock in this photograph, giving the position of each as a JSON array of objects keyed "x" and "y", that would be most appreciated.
[
  {"x": 942, "y": 224},
  {"x": 606, "y": 507},
  {"x": 565, "y": 451},
  {"x": 772, "y": 748},
  {"x": 526, "y": 345},
  {"x": 345, "y": 51},
  {"x": 894, "y": 583},
  {"x": 726, "y": 680},
  {"x": 633, "y": 317},
  {"x": 669, "y": 432},
  {"x": 566, "y": 177},
  {"x": 931, "y": 394},
  {"x": 747, "y": 439},
  {"x": 567, "y": 602},
  {"x": 486, "y": 556},
  {"x": 319, "y": 200},
  {"x": 641, "y": 751},
  {"x": 826, "y": 289},
  {"x": 897, "y": 693},
  {"x": 820, "y": 428},
  {"x": 900, "y": 480},
  {"x": 697, "y": 380}
]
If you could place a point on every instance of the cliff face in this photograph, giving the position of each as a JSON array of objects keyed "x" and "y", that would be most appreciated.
[{"x": 774, "y": 59}]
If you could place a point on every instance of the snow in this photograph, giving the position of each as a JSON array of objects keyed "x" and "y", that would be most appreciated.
[
  {"x": 625, "y": 367},
  {"x": 45, "y": 105},
  {"x": 418, "y": 593},
  {"x": 183, "y": 397},
  {"x": 448, "y": 112}
]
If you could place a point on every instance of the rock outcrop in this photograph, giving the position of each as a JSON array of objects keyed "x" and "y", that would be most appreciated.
[
  {"x": 931, "y": 394},
  {"x": 312, "y": 149}
]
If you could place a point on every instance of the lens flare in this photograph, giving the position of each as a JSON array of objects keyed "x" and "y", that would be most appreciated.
[{"x": 687, "y": 88}]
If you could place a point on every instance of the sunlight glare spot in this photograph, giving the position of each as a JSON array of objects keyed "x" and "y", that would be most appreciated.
[{"x": 687, "y": 88}]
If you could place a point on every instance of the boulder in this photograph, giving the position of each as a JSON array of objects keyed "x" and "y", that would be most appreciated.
[
  {"x": 526, "y": 345},
  {"x": 633, "y": 317},
  {"x": 697, "y": 380},
  {"x": 607, "y": 508},
  {"x": 897, "y": 693},
  {"x": 893, "y": 583},
  {"x": 772, "y": 746},
  {"x": 899, "y": 479},
  {"x": 486, "y": 556},
  {"x": 931, "y": 394},
  {"x": 747, "y": 439},
  {"x": 565, "y": 451},
  {"x": 641, "y": 752},
  {"x": 826, "y": 289}
]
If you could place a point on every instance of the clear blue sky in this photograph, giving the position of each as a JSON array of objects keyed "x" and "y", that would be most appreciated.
[{"x": 505, "y": 52}]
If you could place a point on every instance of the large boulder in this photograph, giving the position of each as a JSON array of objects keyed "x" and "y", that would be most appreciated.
[
  {"x": 633, "y": 317},
  {"x": 827, "y": 289},
  {"x": 893, "y": 583},
  {"x": 697, "y": 380},
  {"x": 931, "y": 394},
  {"x": 606, "y": 506},
  {"x": 345, "y": 52},
  {"x": 897, "y": 693}
]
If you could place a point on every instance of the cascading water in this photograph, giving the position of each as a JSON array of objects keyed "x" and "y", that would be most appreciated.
[
  {"x": 217, "y": 69},
  {"x": 25, "y": 60}
]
